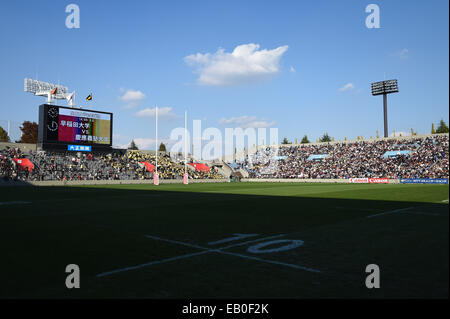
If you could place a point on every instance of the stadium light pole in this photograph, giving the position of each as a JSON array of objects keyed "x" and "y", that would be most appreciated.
[
  {"x": 40, "y": 88},
  {"x": 384, "y": 88},
  {"x": 386, "y": 130}
]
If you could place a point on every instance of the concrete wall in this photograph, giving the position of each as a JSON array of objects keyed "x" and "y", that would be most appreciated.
[
  {"x": 225, "y": 170},
  {"x": 23, "y": 146}
]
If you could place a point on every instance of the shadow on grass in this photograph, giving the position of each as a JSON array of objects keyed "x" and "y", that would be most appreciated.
[{"x": 102, "y": 228}]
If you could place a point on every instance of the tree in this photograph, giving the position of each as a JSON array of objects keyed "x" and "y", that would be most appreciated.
[
  {"x": 325, "y": 138},
  {"x": 442, "y": 128},
  {"x": 162, "y": 147},
  {"x": 4, "y": 135},
  {"x": 133, "y": 146},
  {"x": 305, "y": 140},
  {"x": 29, "y": 132},
  {"x": 285, "y": 141}
]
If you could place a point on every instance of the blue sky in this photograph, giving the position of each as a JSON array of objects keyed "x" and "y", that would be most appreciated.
[{"x": 314, "y": 76}]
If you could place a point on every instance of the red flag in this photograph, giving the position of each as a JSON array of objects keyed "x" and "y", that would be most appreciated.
[{"x": 53, "y": 92}]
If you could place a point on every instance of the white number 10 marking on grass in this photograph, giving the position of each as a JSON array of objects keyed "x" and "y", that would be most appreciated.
[
  {"x": 256, "y": 249},
  {"x": 236, "y": 236}
]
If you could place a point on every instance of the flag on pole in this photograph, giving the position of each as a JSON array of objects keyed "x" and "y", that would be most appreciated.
[
  {"x": 70, "y": 97},
  {"x": 89, "y": 97}
]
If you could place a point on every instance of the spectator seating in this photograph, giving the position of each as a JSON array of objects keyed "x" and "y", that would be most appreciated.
[{"x": 414, "y": 157}]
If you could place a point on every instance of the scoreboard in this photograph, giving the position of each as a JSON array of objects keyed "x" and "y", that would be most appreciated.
[{"x": 61, "y": 126}]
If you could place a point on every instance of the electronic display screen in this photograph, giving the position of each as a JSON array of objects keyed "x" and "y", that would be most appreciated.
[{"x": 70, "y": 125}]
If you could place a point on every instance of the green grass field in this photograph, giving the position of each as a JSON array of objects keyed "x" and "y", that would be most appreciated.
[{"x": 302, "y": 240}]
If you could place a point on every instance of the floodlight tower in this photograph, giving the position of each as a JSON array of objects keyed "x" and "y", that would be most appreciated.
[
  {"x": 49, "y": 90},
  {"x": 385, "y": 88}
]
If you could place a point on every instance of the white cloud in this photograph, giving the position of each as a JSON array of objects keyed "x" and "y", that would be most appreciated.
[
  {"x": 119, "y": 140},
  {"x": 145, "y": 143},
  {"x": 121, "y": 146},
  {"x": 163, "y": 112},
  {"x": 347, "y": 87},
  {"x": 132, "y": 97},
  {"x": 245, "y": 64},
  {"x": 403, "y": 53},
  {"x": 246, "y": 121}
]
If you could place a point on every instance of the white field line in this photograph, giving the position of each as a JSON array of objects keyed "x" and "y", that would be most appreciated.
[
  {"x": 445, "y": 201},
  {"x": 359, "y": 209},
  {"x": 271, "y": 261},
  {"x": 423, "y": 213},
  {"x": 206, "y": 250},
  {"x": 72, "y": 199},
  {"x": 223, "y": 241},
  {"x": 212, "y": 249},
  {"x": 390, "y": 212},
  {"x": 177, "y": 242},
  {"x": 251, "y": 241},
  {"x": 103, "y": 274},
  {"x": 97, "y": 197},
  {"x": 14, "y": 203}
]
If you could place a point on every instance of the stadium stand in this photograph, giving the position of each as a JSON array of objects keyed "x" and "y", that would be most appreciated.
[
  {"x": 130, "y": 165},
  {"x": 414, "y": 157}
]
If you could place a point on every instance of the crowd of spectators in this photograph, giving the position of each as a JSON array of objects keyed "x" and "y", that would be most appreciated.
[
  {"x": 426, "y": 157},
  {"x": 422, "y": 157},
  {"x": 81, "y": 166}
]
